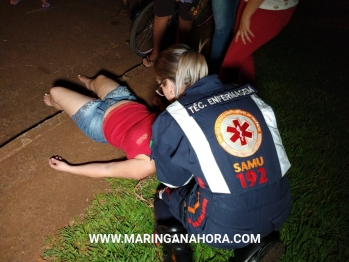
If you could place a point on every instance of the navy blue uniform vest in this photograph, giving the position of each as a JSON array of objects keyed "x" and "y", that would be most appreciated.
[
  {"x": 240, "y": 140},
  {"x": 223, "y": 140}
]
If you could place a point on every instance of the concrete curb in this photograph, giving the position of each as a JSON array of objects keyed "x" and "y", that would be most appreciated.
[{"x": 28, "y": 137}]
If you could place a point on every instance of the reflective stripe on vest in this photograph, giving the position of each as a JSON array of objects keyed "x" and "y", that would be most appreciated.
[
  {"x": 270, "y": 120},
  {"x": 193, "y": 132}
]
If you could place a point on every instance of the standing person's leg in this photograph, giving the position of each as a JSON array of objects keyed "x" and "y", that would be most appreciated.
[
  {"x": 229, "y": 69},
  {"x": 162, "y": 10},
  {"x": 159, "y": 30},
  {"x": 224, "y": 13},
  {"x": 184, "y": 29},
  {"x": 125, "y": 8},
  {"x": 265, "y": 25},
  {"x": 185, "y": 23}
]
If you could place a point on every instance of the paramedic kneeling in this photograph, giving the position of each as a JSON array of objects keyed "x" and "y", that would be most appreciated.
[{"x": 220, "y": 158}]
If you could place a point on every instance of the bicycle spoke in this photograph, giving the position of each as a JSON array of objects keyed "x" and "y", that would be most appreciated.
[{"x": 141, "y": 37}]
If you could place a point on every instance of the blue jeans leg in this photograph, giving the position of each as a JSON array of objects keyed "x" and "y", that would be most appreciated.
[{"x": 224, "y": 13}]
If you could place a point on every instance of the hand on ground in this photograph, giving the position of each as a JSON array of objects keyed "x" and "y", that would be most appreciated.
[{"x": 58, "y": 163}]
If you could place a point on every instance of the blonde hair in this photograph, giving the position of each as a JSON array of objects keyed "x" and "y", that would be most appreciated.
[{"x": 182, "y": 65}]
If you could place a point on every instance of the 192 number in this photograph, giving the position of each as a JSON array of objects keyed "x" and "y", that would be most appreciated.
[{"x": 252, "y": 177}]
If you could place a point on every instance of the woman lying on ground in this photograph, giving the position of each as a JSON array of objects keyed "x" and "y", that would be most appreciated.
[{"x": 115, "y": 118}]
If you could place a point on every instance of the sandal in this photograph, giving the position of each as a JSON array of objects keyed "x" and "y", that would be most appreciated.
[
  {"x": 46, "y": 4},
  {"x": 147, "y": 62}
]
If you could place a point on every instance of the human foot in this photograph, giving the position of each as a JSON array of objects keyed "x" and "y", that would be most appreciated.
[
  {"x": 86, "y": 81},
  {"x": 147, "y": 61},
  {"x": 47, "y": 99},
  {"x": 45, "y": 4},
  {"x": 15, "y": 2}
]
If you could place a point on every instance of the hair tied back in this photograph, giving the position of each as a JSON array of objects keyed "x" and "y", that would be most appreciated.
[{"x": 201, "y": 45}]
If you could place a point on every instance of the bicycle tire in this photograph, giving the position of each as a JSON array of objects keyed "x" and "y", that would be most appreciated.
[{"x": 141, "y": 36}]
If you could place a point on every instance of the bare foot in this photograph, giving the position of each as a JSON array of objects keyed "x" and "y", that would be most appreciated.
[
  {"x": 47, "y": 99},
  {"x": 149, "y": 60},
  {"x": 86, "y": 81},
  {"x": 45, "y": 4},
  {"x": 15, "y": 2}
]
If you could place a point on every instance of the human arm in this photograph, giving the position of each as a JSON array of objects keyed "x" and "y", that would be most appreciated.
[
  {"x": 138, "y": 168},
  {"x": 244, "y": 32}
]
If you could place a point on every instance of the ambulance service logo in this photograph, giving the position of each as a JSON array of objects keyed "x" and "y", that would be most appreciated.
[{"x": 238, "y": 132}]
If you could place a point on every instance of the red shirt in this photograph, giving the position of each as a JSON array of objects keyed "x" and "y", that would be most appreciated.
[{"x": 128, "y": 127}]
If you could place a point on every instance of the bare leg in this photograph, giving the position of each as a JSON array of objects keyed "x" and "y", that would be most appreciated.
[
  {"x": 184, "y": 28},
  {"x": 101, "y": 85},
  {"x": 159, "y": 29},
  {"x": 70, "y": 101},
  {"x": 160, "y": 26},
  {"x": 65, "y": 99}
]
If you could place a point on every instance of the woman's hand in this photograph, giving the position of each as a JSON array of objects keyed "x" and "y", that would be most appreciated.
[
  {"x": 58, "y": 163},
  {"x": 244, "y": 32}
]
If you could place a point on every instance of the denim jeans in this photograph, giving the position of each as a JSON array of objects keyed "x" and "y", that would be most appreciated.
[
  {"x": 224, "y": 13},
  {"x": 89, "y": 118}
]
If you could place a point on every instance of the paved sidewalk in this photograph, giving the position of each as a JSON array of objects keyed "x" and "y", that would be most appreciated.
[
  {"x": 36, "y": 201},
  {"x": 40, "y": 48}
]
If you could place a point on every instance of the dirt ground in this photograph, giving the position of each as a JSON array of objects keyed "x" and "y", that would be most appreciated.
[{"x": 39, "y": 49}]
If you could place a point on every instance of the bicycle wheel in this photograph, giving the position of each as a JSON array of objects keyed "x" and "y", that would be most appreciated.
[{"x": 141, "y": 36}]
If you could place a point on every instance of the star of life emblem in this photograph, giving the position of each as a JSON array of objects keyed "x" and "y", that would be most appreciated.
[{"x": 238, "y": 132}]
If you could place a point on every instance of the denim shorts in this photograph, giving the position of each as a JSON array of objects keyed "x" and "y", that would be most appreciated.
[{"x": 89, "y": 118}]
